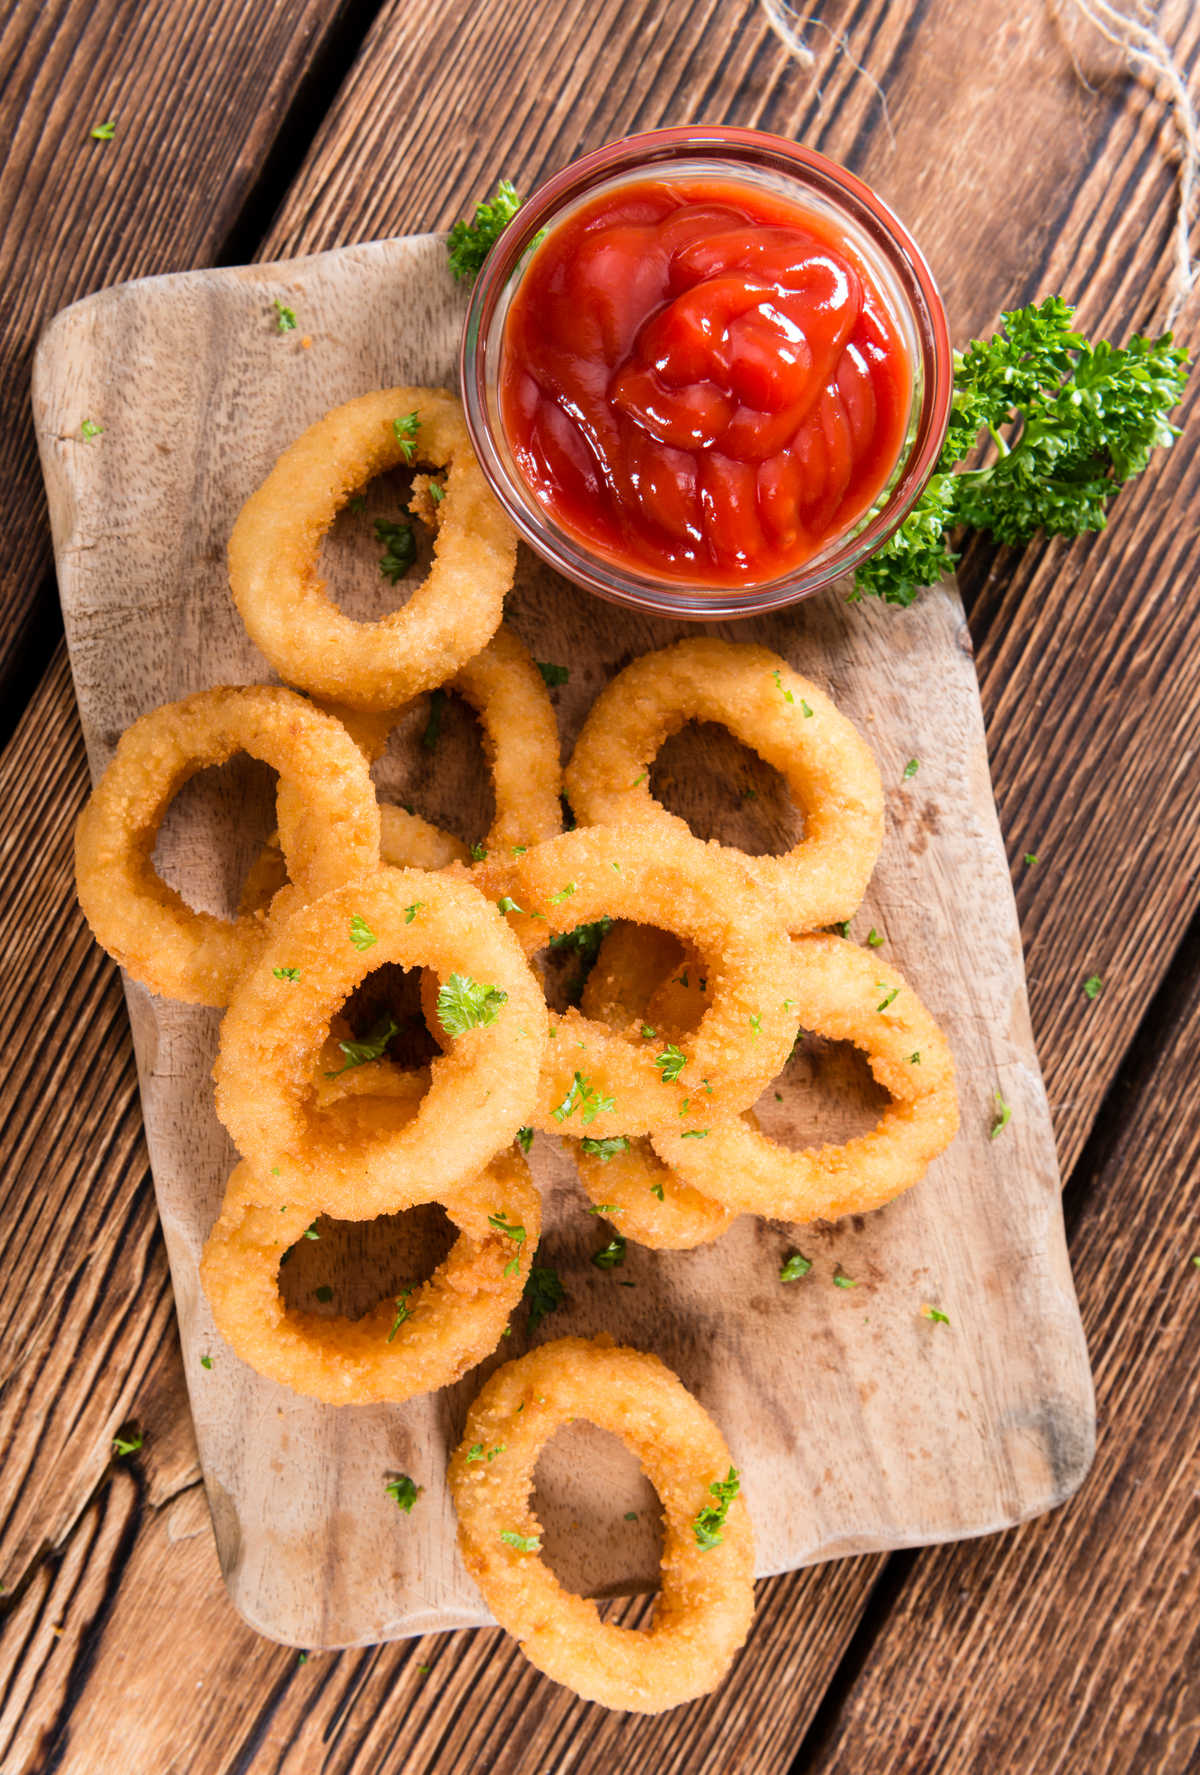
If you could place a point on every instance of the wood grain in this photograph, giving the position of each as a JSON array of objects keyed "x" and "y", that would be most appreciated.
[
  {"x": 139, "y": 530},
  {"x": 196, "y": 96},
  {"x": 1099, "y": 191},
  {"x": 973, "y": 1659}
]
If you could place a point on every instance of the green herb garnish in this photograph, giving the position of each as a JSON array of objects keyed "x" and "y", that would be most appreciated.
[
  {"x": 711, "y": 1520},
  {"x": 463, "y": 1003},
  {"x": 470, "y": 242},
  {"x": 1070, "y": 421}
]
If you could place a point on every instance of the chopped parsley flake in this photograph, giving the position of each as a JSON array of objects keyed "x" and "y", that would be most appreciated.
[
  {"x": 564, "y": 893},
  {"x": 524, "y": 1139},
  {"x": 285, "y": 318},
  {"x": 656, "y": 1189},
  {"x": 436, "y": 492},
  {"x": 544, "y": 1292},
  {"x": 104, "y": 132},
  {"x": 804, "y": 709},
  {"x": 605, "y": 1208},
  {"x": 433, "y": 727},
  {"x": 479, "y": 852},
  {"x": 292, "y": 974},
  {"x": 842, "y": 1280},
  {"x": 402, "y": 1313},
  {"x": 404, "y": 1490},
  {"x": 89, "y": 429},
  {"x": 889, "y": 996},
  {"x": 127, "y": 1445},
  {"x": 475, "y": 1452},
  {"x": 936, "y": 1314},
  {"x": 604, "y": 1150},
  {"x": 694, "y": 1134},
  {"x": 463, "y": 1003},
  {"x": 874, "y": 940},
  {"x": 1030, "y": 859},
  {"x": 406, "y": 434},
  {"x": 410, "y": 912},
  {"x": 371, "y": 1047},
  {"x": 400, "y": 548},
  {"x": 584, "y": 1097},
  {"x": 1003, "y": 1115},
  {"x": 1093, "y": 986},
  {"x": 911, "y": 768},
  {"x": 670, "y": 1062},
  {"x": 361, "y": 934},
  {"x": 324, "y": 1292},
  {"x": 711, "y": 1520},
  {"x": 516, "y": 1232},
  {"x": 522, "y": 1543},
  {"x": 206, "y": 1362},
  {"x": 612, "y": 1256},
  {"x": 914, "y": 1058},
  {"x": 779, "y": 685},
  {"x": 551, "y": 674},
  {"x": 506, "y": 904},
  {"x": 638, "y": 781},
  {"x": 794, "y": 1267}
]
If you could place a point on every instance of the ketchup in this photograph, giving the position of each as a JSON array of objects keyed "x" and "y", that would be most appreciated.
[{"x": 701, "y": 382}]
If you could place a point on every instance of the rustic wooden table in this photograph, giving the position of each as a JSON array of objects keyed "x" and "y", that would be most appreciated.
[{"x": 1026, "y": 160}]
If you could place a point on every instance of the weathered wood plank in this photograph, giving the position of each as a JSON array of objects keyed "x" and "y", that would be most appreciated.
[
  {"x": 972, "y": 1669},
  {"x": 196, "y": 99},
  {"x": 543, "y": 110}
]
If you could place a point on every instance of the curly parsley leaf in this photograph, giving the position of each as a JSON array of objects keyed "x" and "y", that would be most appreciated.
[
  {"x": 361, "y": 934},
  {"x": 471, "y": 242},
  {"x": 1070, "y": 420},
  {"x": 463, "y": 1003},
  {"x": 670, "y": 1063},
  {"x": 405, "y": 431},
  {"x": 551, "y": 674}
]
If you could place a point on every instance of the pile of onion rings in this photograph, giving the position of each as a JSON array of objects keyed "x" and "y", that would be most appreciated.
[{"x": 708, "y": 961}]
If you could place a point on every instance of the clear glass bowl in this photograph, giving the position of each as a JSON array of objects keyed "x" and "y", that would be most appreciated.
[{"x": 779, "y": 167}]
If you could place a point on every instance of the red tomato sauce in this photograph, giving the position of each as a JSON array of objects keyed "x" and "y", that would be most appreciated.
[{"x": 700, "y": 381}]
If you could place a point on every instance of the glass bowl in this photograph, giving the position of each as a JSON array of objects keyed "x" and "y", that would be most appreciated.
[{"x": 780, "y": 168}]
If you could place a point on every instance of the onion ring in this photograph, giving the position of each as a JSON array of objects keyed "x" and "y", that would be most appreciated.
[
  {"x": 520, "y": 742},
  {"x": 844, "y": 993},
  {"x": 706, "y": 1602},
  {"x": 646, "y": 1201},
  {"x": 331, "y": 836},
  {"x": 426, "y": 1338},
  {"x": 273, "y": 1033},
  {"x": 406, "y": 841},
  {"x": 649, "y": 1203},
  {"x": 786, "y": 719},
  {"x": 276, "y": 540},
  {"x": 597, "y": 1081}
]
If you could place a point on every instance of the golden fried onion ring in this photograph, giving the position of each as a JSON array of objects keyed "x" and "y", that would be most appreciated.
[
  {"x": 276, "y": 541},
  {"x": 844, "y": 993},
  {"x": 706, "y": 1602},
  {"x": 520, "y": 741},
  {"x": 644, "y": 1200},
  {"x": 273, "y": 1034},
  {"x": 331, "y": 836},
  {"x": 447, "y": 1324},
  {"x": 406, "y": 841},
  {"x": 786, "y": 719},
  {"x": 697, "y": 892}
]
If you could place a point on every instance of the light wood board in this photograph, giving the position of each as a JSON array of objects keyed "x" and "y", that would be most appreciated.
[{"x": 857, "y": 1423}]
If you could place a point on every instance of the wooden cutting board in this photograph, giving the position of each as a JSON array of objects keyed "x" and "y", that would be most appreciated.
[{"x": 857, "y": 1422}]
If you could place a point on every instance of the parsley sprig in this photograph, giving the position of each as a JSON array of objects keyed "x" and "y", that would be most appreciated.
[
  {"x": 471, "y": 242},
  {"x": 1070, "y": 419}
]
